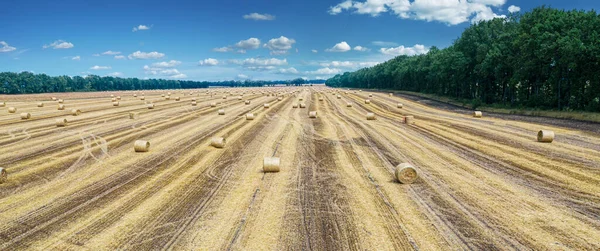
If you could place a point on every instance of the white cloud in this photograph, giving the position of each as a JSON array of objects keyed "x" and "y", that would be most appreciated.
[
  {"x": 111, "y": 53},
  {"x": 116, "y": 74},
  {"x": 120, "y": 57},
  {"x": 325, "y": 71},
  {"x": 141, "y": 27},
  {"x": 241, "y": 51},
  {"x": 59, "y": 44},
  {"x": 259, "y": 17},
  {"x": 96, "y": 67},
  {"x": 360, "y": 48},
  {"x": 384, "y": 43},
  {"x": 452, "y": 12},
  {"x": 401, "y": 50},
  {"x": 279, "y": 46},
  {"x": 160, "y": 70},
  {"x": 168, "y": 64},
  {"x": 348, "y": 64},
  {"x": 248, "y": 44},
  {"x": 513, "y": 9},
  {"x": 340, "y": 47},
  {"x": 179, "y": 76},
  {"x": 76, "y": 58},
  {"x": 290, "y": 70},
  {"x": 223, "y": 49},
  {"x": 260, "y": 62},
  {"x": 242, "y": 76},
  {"x": 5, "y": 47},
  {"x": 209, "y": 62},
  {"x": 315, "y": 51},
  {"x": 146, "y": 55}
]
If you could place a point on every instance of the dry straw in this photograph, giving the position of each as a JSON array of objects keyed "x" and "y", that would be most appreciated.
[
  {"x": 370, "y": 116},
  {"x": 2, "y": 104},
  {"x": 400, "y": 105},
  {"x": 477, "y": 114},
  {"x": 60, "y": 101},
  {"x": 224, "y": 96},
  {"x": 177, "y": 98},
  {"x": 545, "y": 136},
  {"x": 25, "y": 115},
  {"x": 266, "y": 106},
  {"x": 391, "y": 94},
  {"x": 213, "y": 104},
  {"x": 370, "y": 95},
  {"x": 61, "y": 107},
  {"x": 405, "y": 173},
  {"x": 348, "y": 104},
  {"x": 221, "y": 111},
  {"x": 61, "y": 122},
  {"x": 40, "y": 104},
  {"x": 3, "y": 175},
  {"x": 320, "y": 99},
  {"x": 118, "y": 97},
  {"x": 75, "y": 112},
  {"x": 167, "y": 97},
  {"x": 141, "y": 146},
  {"x": 367, "y": 101},
  {"x": 339, "y": 97},
  {"x": 250, "y": 116},
  {"x": 194, "y": 103},
  {"x": 113, "y": 99},
  {"x": 294, "y": 105},
  {"x": 12, "y": 110},
  {"x": 193, "y": 99},
  {"x": 135, "y": 95},
  {"x": 142, "y": 98},
  {"x": 279, "y": 98},
  {"x": 150, "y": 106},
  {"x": 271, "y": 164},
  {"x": 302, "y": 105},
  {"x": 53, "y": 98},
  {"x": 218, "y": 142},
  {"x": 312, "y": 114},
  {"x": 247, "y": 102},
  {"x": 116, "y": 103}
]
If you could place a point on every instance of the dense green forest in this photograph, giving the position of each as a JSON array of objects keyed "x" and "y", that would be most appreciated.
[
  {"x": 27, "y": 82},
  {"x": 546, "y": 58}
]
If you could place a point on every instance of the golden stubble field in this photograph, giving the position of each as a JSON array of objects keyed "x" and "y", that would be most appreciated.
[{"x": 484, "y": 183}]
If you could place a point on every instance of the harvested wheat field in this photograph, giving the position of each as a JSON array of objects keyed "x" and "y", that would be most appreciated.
[{"x": 285, "y": 181}]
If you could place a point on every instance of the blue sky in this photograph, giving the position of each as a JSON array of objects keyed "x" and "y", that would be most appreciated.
[{"x": 233, "y": 39}]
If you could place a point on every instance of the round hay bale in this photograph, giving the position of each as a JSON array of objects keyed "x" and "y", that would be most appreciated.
[
  {"x": 177, "y": 98},
  {"x": 320, "y": 99},
  {"x": 162, "y": 95},
  {"x": 168, "y": 94},
  {"x": 271, "y": 164},
  {"x": 194, "y": 103},
  {"x": 405, "y": 173},
  {"x": 477, "y": 114},
  {"x": 545, "y": 136},
  {"x": 399, "y": 105},
  {"x": 135, "y": 95},
  {"x": 370, "y": 95},
  {"x": 193, "y": 99},
  {"x": 142, "y": 98},
  {"x": 312, "y": 114},
  {"x": 12, "y": 110},
  {"x": 167, "y": 97},
  {"x": 116, "y": 103},
  {"x": 150, "y": 106},
  {"x": 53, "y": 98},
  {"x": 266, "y": 106},
  {"x": 40, "y": 104},
  {"x": 224, "y": 96},
  {"x": 3, "y": 175},
  {"x": 60, "y": 101},
  {"x": 339, "y": 97},
  {"x": 75, "y": 112},
  {"x": 61, "y": 107},
  {"x": 302, "y": 105},
  {"x": 391, "y": 94},
  {"x": 25, "y": 115},
  {"x": 247, "y": 102},
  {"x": 133, "y": 115},
  {"x": 250, "y": 116},
  {"x": 218, "y": 142},
  {"x": 294, "y": 105},
  {"x": 61, "y": 122},
  {"x": 409, "y": 120},
  {"x": 367, "y": 101},
  {"x": 221, "y": 111},
  {"x": 112, "y": 96},
  {"x": 371, "y": 116},
  {"x": 280, "y": 98},
  {"x": 141, "y": 146},
  {"x": 240, "y": 98},
  {"x": 113, "y": 99},
  {"x": 300, "y": 99},
  {"x": 118, "y": 97},
  {"x": 213, "y": 104},
  {"x": 348, "y": 104}
]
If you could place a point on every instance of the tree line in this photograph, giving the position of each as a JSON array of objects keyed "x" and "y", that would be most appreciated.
[
  {"x": 546, "y": 58},
  {"x": 27, "y": 82}
]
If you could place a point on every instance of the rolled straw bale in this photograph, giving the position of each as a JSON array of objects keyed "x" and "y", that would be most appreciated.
[
  {"x": 112, "y": 96},
  {"x": 162, "y": 95},
  {"x": 133, "y": 115},
  {"x": 61, "y": 107},
  {"x": 113, "y": 99},
  {"x": 40, "y": 104},
  {"x": 116, "y": 103},
  {"x": 339, "y": 97},
  {"x": 477, "y": 114},
  {"x": 213, "y": 104},
  {"x": 321, "y": 99},
  {"x": 391, "y": 94},
  {"x": 348, "y": 104},
  {"x": 240, "y": 98},
  {"x": 167, "y": 97},
  {"x": 53, "y": 98},
  {"x": 266, "y": 106},
  {"x": 545, "y": 136},
  {"x": 150, "y": 106},
  {"x": 250, "y": 116},
  {"x": 3, "y": 175},
  {"x": 399, "y": 105},
  {"x": 141, "y": 146},
  {"x": 25, "y": 115},
  {"x": 405, "y": 173},
  {"x": 193, "y": 99},
  {"x": 142, "y": 98},
  {"x": 224, "y": 96},
  {"x": 409, "y": 120},
  {"x": 271, "y": 164},
  {"x": 168, "y": 94},
  {"x": 194, "y": 103},
  {"x": 312, "y": 114},
  {"x": 12, "y": 110},
  {"x": 302, "y": 105},
  {"x": 300, "y": 99},
  {"x": 118, "y": 97},
  {"x": 75, "y": 112},
  {"x": 218, "y": 142},
  {"x": 294, "y": 105},
  {"x": 61, "y": 122},
  {"x": 247, "y": 102},
  {"x": 367, "y": 101},
  {"x": 2, "y": 104},
  {"x": 60, "y": 101},
  {"x": 177, "y": 98},
  {"x": 221, "y": 111},
  {"x": 135, "y": 95},
  {"x": 370, "y": 116}
]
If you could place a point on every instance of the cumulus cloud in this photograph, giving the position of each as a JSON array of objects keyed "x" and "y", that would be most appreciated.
[
  {"x": 97, "y": 67},
  {"x": 360, "y": 48},
  {"x": 340, "y": 47},
  {"x": 242, "y": 76},
  {"x": 141, "y": 27},
  {"x": 384, "y": 43},
  {"x": 259, "y": 17},
  {"x": 408, "y": 51},
  {"x": 5, "y": 47},
  {"x": 168, "y": 64},
  {"x": 450, "y": 12},
  {"x": 208, "y": 62},
  {"x": 59, "y": 44},
  {"x": 159, "y": 69},
  {"x": 120, "y": 57},
  {"x": 260, "y": 64},
  {"x": 76, "y": 58},
  {"x": 111, "y": 53},
  {"x": 325, "y": 71},
  {"x": 248, "y": 44},
  {"x": 513, "y": 9},
  {"x": 290, "y": 70},
  {"x": 179, "y": 76},
  {"x": 223, "y": 49},
  {"x": 348, "y": 64},
  {"x": 146, "y": 55},
  {"x": 315, "y": 51},
  {"x": 279, "y": 46},
  {"x": 116, "y": 74}
]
